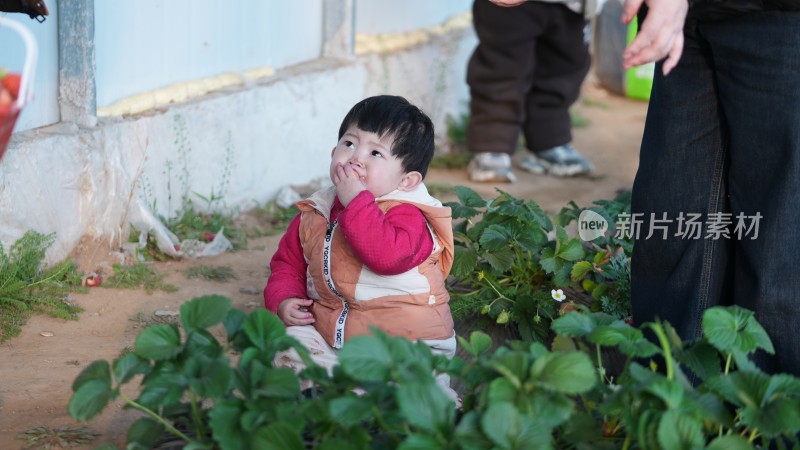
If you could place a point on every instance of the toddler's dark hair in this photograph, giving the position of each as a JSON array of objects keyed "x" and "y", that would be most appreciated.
[{"x": 393, "y": 115}]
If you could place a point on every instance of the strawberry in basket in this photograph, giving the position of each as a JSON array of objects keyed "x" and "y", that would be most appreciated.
[
  {"x": 9, "y": 91},
  {"x": 10, "y": 83}
]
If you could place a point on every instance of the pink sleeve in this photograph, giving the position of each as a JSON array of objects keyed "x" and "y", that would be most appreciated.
[
  {"x": 388, "y": 244},
  {"x": 287, "y": 276}
]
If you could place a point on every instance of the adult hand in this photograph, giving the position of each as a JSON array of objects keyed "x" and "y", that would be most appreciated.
[
  {"x": 660, "y": 35},
  {"x": 349, "y": 182},
  {"x": 508, "y": 3},
  {"x": 294, "y": 311}
]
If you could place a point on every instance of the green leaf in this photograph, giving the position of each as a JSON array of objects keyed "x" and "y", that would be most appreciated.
[
  {"x": 613, "y": 334},
  {"x": 630, "y": 340},
  {"x": 459, "y": 211},
  {"x": 502, "y": 390},
  {"x": 461, "y": 238},
  {"x": 224, "y": 419},
  {"x": 160, "y": 341},
  {"x": 580, "y": 269},
  {"x": 670, "y": 392},
  {"x": 501, "y": 424},
  {"x": 778, "y": 416},
  {"x": 561, "y": 277},
  {"x": 336, "y": 444},
  {"x": 419, "y": 442},
  {"x": 539, "y": 216},
  {"x": 426, "y": 406},
  {"x": 279, "y": 383},
  {"x": 730, "y": 442},
  {"x": 464, "y": 261},
  {"x": 508, "y": 429},
  {"x": 548, "y": 261},
  {"x": 739, "y": 388},
  {"x": 639, "y": 348},
  {"x": 551, "y": 409},
  {"x": 128, "y": 365},
  {"x": 501, "y": 259},
  {"x": 480, "y": 342},
  {"x": 366, "y": 359},
  {"x": 680, "y": 431},
  {"x": 783, "y": 384},
  {"x": 599, "y": 291},
  {"x": 561, "y": 239},
  {"x": 199, "y": 445},
  {"x": 512, "y": 365},
  {"x": 468, "y": 435},
  {"x": 733, "y": 329},
  {"x": 90, "y": 399},
  {"x": 204, "y": 312},
  {"x": 200, "y": 342},
  {"x": 234, "y": 322},
  {"x": 163, "y": 386},
  {"x": 573, "y": 324},
  {"x": 96, "y": 371},
  {"x": 144, "y": 433},
  {"x": 211, "y": 378},
  {"x": 494, "y": 237},
  {"x": 567, "y": 373},
  {"x": 572, "y": 251},
  {"x": 713, "y": 408},
  {"x": 349, "y": 411},
  {"x": 702, "y": 359},
  {"x": 469, "y": 197},
  {"x": 277, "y": 436},
  {"x": 263, "y": 327}
]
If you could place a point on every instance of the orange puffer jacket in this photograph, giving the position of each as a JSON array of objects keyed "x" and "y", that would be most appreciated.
[{"x": 349, "y": 297}]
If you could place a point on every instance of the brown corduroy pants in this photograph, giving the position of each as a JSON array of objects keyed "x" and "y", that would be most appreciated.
[{"x": 524, "y": 75}]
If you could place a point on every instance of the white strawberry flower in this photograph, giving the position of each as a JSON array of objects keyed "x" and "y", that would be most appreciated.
[{"x": 558, "y": 295}]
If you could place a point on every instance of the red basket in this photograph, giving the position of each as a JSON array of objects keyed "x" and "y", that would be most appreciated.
[{"x": 9, "y": 119}]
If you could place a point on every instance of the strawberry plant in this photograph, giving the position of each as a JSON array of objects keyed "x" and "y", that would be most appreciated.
[
  {"x": 209, "y": 394},
  {"x": 511, "y": 260},
  {"x": 28, "y": 286}
]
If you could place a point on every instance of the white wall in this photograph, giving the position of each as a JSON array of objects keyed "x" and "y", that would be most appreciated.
[
  {"x": 242, "y": 142},
  {"x": 394, "y": 16},
  {"x": 148, "y": 44}
]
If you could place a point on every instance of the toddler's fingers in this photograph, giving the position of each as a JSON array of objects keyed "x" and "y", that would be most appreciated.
[{"x": 302, "y": 318}]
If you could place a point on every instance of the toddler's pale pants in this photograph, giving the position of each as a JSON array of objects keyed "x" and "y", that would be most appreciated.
[{"x": 327, "y": 357}]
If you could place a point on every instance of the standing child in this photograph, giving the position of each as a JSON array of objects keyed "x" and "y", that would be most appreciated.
[{"x": 374, "y": 249}]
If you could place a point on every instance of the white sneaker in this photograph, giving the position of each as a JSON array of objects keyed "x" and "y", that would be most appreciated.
[
  {"x": 487, "y": 166},
  {"x": 563, "y": 161}
]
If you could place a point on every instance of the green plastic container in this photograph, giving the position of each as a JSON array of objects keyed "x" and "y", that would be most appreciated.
[{"x": 638, "y": 80}]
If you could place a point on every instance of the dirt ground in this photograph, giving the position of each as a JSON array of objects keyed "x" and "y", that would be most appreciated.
[{"x": 36, "y": 371}]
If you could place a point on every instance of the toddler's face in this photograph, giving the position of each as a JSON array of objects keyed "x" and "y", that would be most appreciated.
[{"x": 370, "y": 158}]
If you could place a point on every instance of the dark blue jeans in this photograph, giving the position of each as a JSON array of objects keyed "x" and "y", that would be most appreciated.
[{"x": 722, "y": 140}]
